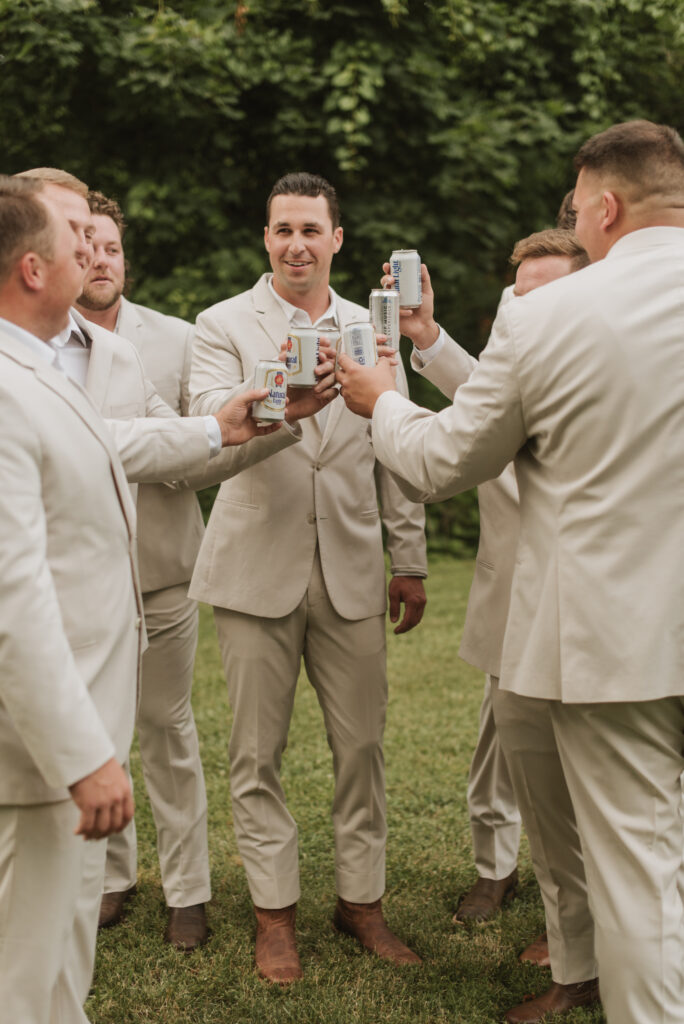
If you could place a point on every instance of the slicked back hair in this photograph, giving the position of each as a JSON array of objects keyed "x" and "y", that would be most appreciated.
[
  {"x": 55, "y": 176},
  {"x": 647, "y": 158},
  {"x": 25, "y": 224},
  {"x": 552, "y": 242},
  {"x": 102, "y": 206},
  {"x": 301, "y": 183}
]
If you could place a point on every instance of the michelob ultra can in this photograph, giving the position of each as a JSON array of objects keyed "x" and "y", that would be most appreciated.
[
  {"x": 271, "y": 374},
  {"x": 405, "y": 269},
  {"x": 359, "y": 341},
  {"x": 383, "y": 310},
  {"x": 302, "y": 356}
]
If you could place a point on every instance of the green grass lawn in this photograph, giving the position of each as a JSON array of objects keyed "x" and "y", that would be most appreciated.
[{"x": 469, "y": 975}]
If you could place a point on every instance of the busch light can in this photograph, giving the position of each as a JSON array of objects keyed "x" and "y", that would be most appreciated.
[
  {"x": 271, "y": 374},
  {"x": 359, "y": 341},
  {"x": 405, "y": 269},
  {"x": 383, "y": 309}
]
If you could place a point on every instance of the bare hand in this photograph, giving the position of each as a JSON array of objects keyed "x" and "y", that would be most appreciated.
[
  {"x": 105, "y": 800},
  {"x": 236, "y": 421},
  {"x": 363, "y": 385},
  {"x": 411, "y": 591},
  {"x": 417, "y": 324},
  {"x": 385, "y": 350}
]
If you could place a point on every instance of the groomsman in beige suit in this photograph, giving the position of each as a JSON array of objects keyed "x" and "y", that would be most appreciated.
[
  {"x": 170, "y": 531},
  {"x": 581, "y": 382},
  {"x": 516, "y": 749},
  {"x": 293, "y": 563}
]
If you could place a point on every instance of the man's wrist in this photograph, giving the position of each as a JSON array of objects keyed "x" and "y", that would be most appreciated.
[{"x": 426, "y": 336}]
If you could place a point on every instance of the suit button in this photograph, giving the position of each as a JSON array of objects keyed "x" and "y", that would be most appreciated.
[
  {"x": 138, "y": 622},
  {"x": 311, "y": 518},
  {"x": 318, "y": 466}
]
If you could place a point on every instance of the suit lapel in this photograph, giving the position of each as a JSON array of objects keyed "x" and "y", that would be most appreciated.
[
  {"x": 270, "y": 315},
  {"x": 82, "y": 405},
  {"x": 100, "y": 362}
]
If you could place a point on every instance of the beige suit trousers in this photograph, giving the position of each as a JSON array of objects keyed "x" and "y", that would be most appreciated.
[
  {"x": 345, "y": 663},
  {"x": 494, "y": 815},
  {"x": 50, "y": 888},
  {"x": 624, "y": 763},
  {"x": 169, "y": 751},
  {"x": 528, "y": 741}
]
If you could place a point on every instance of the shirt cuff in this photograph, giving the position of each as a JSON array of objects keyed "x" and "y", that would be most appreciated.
[
  {"x": 213, "y": 435},
  {"x": 426, "y": 355}
]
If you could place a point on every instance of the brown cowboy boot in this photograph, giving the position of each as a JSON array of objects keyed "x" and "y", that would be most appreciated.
[
  {"x": 557, "y": 999},
  {"x": 364, "y": 922},
  {"x": 112, "y": 906},
  {"x": 276, "y": 951},
  {"x": 484, "y": 900},
  {"x": 537, "y": 952}
]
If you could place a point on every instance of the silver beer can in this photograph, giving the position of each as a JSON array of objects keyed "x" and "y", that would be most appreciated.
[
  {"x": 332, "y": 336},
  {"x": 405, "y": 269},
  {"x": 302, "y": 356},
  {"x": 383, "y": 309},
  {"x": 271, "y": 374},
  {"x": 360, "y": 343}
]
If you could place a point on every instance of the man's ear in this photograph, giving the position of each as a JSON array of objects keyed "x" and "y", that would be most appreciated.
[
  {"x": 611, "y": 207},
  {"x": 32, "y": 271},
  {"x": 338, "y": 238}
]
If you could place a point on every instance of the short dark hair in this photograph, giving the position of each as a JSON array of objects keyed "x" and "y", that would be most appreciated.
[
  {"x": 102, "y": 206},
  {"x": 301, "y": 183},
  {"x": 552, "y": 242},
  {"x": 647, "y": 157},
  {"x": 25, "y": 224}
]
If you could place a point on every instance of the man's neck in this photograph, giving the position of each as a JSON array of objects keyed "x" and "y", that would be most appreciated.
[
  {"x": 315, "y": 303},
  {"x": 32, "y": 320},
  {"x": 102, "y": 317}
]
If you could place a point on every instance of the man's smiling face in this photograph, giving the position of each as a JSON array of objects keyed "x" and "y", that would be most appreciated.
[{"x": 301, "y": 242}]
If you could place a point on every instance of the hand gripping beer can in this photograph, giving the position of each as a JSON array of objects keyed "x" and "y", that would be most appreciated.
[
  {"x": 383, "y": 310},
  {"x": 405, "y": 269},
  {"x": 271, "y": 374},
  {"x": 359, "y": 341},
  {"x": 302, "y": 356}
]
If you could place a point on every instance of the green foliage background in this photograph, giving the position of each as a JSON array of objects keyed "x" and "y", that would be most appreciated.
[{"x": 446, "y": 125}]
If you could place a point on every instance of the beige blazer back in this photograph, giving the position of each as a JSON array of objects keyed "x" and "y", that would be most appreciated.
[
  {"x": 71, "y": 608},
  {"x": 490, "y": 591},
  {"x": 582, "y": 380},
  {"x": 261, "y": 538}
]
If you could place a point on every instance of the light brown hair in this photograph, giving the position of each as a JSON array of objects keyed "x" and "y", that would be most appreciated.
[
  {"x": 102, "y": 206},
  {"x": 55, "y": 176},
  {"x": 25, "y": 224},
  {"x": 552, "y": 242},
  {"x": 647, "y": 158}
]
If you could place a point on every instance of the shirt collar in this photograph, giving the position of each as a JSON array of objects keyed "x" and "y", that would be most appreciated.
[
  {"x": 40, "y": 348},
  {"x": 72, "y": 329},
  {"x": 295, "y": 314}
]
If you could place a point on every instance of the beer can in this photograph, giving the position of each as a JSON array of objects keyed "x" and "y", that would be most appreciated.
[
  {"x": 405, "y": 269},
  {"x": 332, "y": 336},
  {"x": 302, "y": 356},
  {"x": 271, "y": 374},
  {"x": 383, "y": 309},
  {"x": 359, "y": 341}
]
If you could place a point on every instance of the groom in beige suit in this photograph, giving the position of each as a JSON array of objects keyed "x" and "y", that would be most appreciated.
[
  {"x": 293, "y": 563},
  {"x": 582, "y": 383}
]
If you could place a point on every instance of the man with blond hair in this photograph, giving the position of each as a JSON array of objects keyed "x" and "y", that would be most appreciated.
[{"x": 581, "y": 383}]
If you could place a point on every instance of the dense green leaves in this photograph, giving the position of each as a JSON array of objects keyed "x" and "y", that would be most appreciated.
[{"x": 448, "y": 125}]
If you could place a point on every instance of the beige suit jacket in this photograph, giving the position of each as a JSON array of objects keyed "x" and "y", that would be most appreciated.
[
  {"x": 490, "y": 592},
  {"x": 170, "y": 525},
  {"x": 582, "y": 382},
  {"x": 261, "y": 538},
  {"x": 71, "y": 608}
]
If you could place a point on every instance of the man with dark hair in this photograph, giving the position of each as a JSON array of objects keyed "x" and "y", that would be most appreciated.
[
  {"x": 581, "y": 383},
  {"x": 293, "y": 563}
]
